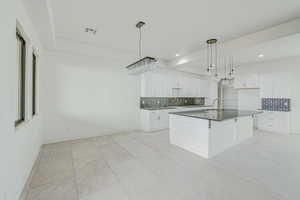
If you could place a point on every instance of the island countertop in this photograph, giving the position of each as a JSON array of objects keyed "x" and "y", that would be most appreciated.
[
  {"x": 175, "y": 107},
  {"x": 217, "y": 114}
]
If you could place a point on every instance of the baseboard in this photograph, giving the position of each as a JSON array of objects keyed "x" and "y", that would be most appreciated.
[
  {"x": 88, "y": 136},
  {"x": 27, "y": 184}
]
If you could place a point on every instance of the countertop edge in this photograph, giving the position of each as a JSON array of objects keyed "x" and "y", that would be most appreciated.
[
  {"x": 205, "y": 118},
  {"x": 177, "y": 107}
]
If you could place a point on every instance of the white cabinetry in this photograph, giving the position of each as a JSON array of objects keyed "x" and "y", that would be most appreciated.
[
  {"x": 246, "y": 81},
  {"x": 274, "y": 86},
  {"x": 208, "y": 138},
  {"x": 153, "y": 120},
  {"x": 243, "y": 129},
  {"x": 274, "y": 121},
  {"x": 169, "y": 85},
  {"x": 266, "y": 86}
]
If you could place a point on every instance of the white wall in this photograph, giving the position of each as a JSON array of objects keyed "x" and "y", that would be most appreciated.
[
  {"x": 285, "y": 73},
  {"x": 19, "y": 147},
  {"x": 83, "y": 97}
]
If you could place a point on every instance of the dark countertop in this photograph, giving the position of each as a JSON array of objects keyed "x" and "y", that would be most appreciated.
[
  {"x": 216, "y": 114},
  {"x": 175, "y": 107}
]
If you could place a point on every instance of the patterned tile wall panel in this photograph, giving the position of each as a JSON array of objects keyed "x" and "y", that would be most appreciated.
[
  {"x": 154, "y": 102},
  {"x": 276, "y": 104}
]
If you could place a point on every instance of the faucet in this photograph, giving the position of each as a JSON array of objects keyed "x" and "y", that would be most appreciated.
[{"x": 216, "y": 100}]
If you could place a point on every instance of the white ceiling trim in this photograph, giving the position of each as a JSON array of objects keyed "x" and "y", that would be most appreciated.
[
  {"x": 42, "y": 14},
  {"x": 50, "y": 14},
  {"x": 247, "y": 41}
]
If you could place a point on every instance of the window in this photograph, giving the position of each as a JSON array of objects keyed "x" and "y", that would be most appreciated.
[
  {"x": 21, "y": 53},
  {"x": 33, "y": 84}
]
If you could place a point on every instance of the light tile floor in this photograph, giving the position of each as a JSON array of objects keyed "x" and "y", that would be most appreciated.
[{"x": 144, "y": 166}]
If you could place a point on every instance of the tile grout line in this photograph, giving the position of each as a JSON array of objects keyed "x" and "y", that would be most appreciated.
[
  {"x": 254, "y": 181},
  {"x": 117, "y": 177},
  {"x": 27, "y": 187},
  {"x": 74, "y": 173},
  {"x": 45, "y": 184}
]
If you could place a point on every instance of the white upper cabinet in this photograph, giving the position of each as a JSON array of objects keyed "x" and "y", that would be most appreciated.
[
  {"x": 274, "y": 86},
  {"x": 266, "y": 86},
  {"x": 246, "y": 81},
  {"x": 169, "y": 85}
]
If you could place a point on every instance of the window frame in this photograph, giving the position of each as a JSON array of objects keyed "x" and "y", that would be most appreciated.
[
  {"x": 22, "y": 82},
  {"x": 34, "y": 82}
]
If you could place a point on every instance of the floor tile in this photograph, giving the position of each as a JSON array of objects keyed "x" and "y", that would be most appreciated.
[
  {"x": 93, "y": 177},
  {"x": 83, "y": 149},
  {"x": 51, "y": 169},
  {"x": 144, "y": 166},
  {"x": 64, "y": 190},
  {"x": 114, "y": 153},
  {"x": 114, "y": 192}
]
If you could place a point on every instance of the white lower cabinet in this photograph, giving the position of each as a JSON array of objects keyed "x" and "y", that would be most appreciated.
[
  {"x": 274, "y": 121},
  {"x": 243, "y": 128},
  {"x": 153, "y": 120}
]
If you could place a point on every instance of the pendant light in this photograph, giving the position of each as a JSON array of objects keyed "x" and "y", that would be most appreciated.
[
  {"x": 212, "y": 57},
  {"x": 231, "y": 70},
  {"x": 144, "y": 62}
]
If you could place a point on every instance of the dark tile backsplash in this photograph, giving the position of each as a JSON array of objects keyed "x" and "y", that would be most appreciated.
[
  {"x": 276, "y": 104},
  {"x": 154, "y": 102}
]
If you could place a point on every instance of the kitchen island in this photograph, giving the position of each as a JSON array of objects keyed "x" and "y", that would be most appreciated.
[{"x": 209, "y": 132}]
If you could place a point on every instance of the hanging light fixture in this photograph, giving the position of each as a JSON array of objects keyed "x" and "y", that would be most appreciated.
[
  {"x": 212, "y": 57},
  {"x": 212, "y": 67},
  {"x": 231, "y": 69},
  {"x": 145, "y": 62}
]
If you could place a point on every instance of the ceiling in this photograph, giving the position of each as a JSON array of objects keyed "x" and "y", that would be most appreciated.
[
  {"x": 171, "y": 26},
  {"x": 275, "y": 49}
]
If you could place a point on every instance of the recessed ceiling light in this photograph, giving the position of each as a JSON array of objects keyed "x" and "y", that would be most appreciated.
[
  {"x": 261, "y": 55},
  {"x": 182, "y": 61},
  {"x": 177, "y": 54}
]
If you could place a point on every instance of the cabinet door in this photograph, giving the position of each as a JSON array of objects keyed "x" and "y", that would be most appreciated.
[
  {"x": 252, "y": 81},
  {"x": 149, "y": 88},
  {"x": 267, "y": 121},
  {"x": 157, "y": 85},
  {"x": 246, "y": 81},
  {"x": 164, "y": 118},
  {"x": 281, "y": 85},
  {"x": 168, "y": 85},
  {"x": 239, "y": 82},
  {"x": 266, "y": 86},
  {"x": 154, "y": 120},
  {"x": 202, "y": 88},
  {"x": 145, "y": 85},
  {"x": 188, "y": 87},
  {"x": 281, "y": 122},
  {"x": 243, "y": 128}
]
